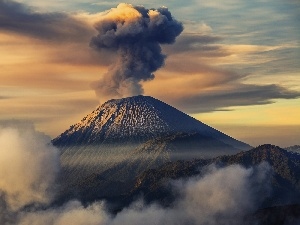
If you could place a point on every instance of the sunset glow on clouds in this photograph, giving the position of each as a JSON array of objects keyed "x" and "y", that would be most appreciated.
[{"x": 234, "y": 65}]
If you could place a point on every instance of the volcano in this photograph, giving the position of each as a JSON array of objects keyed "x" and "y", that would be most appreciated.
[
  {"x": 139, "y": 119},
  {"x": 122, "y": 138}
]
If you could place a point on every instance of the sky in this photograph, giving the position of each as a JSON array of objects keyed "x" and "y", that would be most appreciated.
[{"x": 235, "y": 66}]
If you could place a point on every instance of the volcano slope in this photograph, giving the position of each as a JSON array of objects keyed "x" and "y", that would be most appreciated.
[{"x": 102, "y": 155}]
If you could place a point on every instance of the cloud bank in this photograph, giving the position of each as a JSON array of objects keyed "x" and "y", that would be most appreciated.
[
  {"x": 135, "y": 34},
  {"x": 72, "y": 213},
  {"x": 28, "y": 166}
]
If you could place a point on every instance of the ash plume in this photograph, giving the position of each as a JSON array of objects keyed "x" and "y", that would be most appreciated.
[{"x": 135, "y": 34}]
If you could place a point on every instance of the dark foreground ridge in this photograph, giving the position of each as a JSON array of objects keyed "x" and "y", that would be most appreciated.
[
  {"x": 285, "y": 173},
  {"x": 278, "y": 215},
  {"x": 153, "y": 183}
]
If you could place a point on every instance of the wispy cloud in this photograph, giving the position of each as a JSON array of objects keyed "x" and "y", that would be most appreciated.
[
  {"x": 232, "y": 96},
  {"x": 21, "y": 19},
  {"x": 195, "y": 43},
  {"x": 215, "y": 76}
]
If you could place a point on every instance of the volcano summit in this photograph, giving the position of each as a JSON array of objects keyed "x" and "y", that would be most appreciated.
[{"x": 139, "y": 119}]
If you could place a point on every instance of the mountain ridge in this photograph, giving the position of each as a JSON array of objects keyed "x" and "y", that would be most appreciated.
[
  {"x": 285, "y": 177},
  {"x": 154, "y": 183}
]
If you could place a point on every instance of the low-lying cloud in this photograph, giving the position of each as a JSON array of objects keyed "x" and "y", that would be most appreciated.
[
  {"x": 29, "y": 165},
  {"x": 72, "y": 213},
  {"x": 220, "y": 196}
]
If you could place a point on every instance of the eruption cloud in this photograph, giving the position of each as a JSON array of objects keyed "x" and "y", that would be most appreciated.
[{"x": 135, "y": 34}]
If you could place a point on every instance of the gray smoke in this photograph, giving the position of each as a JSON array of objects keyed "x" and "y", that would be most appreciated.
[{"x": 135, "y": 34}]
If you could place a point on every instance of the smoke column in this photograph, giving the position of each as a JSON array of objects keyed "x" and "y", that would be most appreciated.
[{"x": 135, "y": 34}]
